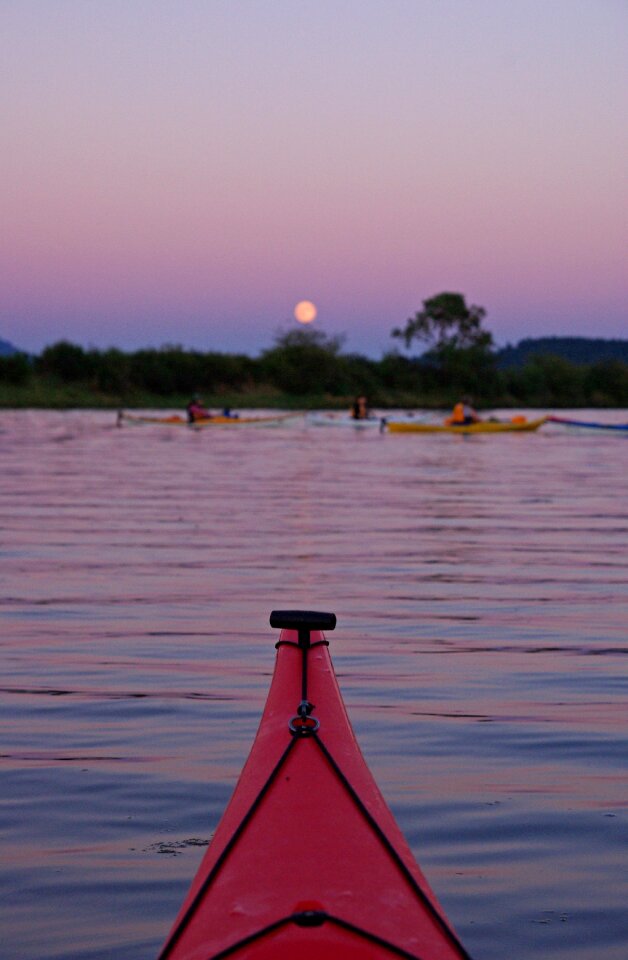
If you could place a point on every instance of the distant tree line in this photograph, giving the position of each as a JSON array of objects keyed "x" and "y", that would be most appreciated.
[
  {"x": 582, "y": 351},
  {"x": 458, "y": 359}
]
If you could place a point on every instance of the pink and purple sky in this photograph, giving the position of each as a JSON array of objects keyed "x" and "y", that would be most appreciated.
[{"x": 185, "y": 171}]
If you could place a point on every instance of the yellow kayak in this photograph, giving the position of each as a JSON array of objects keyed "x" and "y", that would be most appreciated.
[
  {"x": 218, "y": 421},
  {"x": 482, "y": 426}
]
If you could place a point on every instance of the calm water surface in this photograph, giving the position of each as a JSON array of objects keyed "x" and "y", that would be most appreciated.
[{"x": 481, "y": 590}]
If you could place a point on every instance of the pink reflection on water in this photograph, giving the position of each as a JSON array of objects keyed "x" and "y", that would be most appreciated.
[{"x": 480, "y": 592}]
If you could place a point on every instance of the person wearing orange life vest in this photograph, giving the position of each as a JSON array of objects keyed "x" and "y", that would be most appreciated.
[{"x": 463, "y": 414}]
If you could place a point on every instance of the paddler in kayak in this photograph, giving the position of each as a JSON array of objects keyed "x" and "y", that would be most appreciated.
[
  {"x": 196, "y": 411},
  {"x": 463, "y": 414},
  {"x": 360, "y": 409}
]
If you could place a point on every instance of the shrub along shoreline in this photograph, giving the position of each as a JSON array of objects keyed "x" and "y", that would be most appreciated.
[{"x": 305, "y": 372}]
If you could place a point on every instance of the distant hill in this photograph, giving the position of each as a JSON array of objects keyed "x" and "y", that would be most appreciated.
[
  {"x": 7, "y": 349},
  {"x": 577, "y": 350}
]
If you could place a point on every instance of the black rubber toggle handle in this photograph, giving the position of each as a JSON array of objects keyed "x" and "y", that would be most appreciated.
[{"x": 302, "y": 620}]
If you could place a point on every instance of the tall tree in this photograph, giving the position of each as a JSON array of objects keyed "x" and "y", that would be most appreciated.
[
  {"x": 446, "y": 323},
  {"x": 459, "y": 348}
]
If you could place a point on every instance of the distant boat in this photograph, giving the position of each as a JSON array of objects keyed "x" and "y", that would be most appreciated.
[
  {"x": 328, "y": 419},
  {"x": 220, "y": 420},
  {"x": 588, "y": 424},
  {"x": 482, "y": 426},
  {"x": 322, "y": 419}
]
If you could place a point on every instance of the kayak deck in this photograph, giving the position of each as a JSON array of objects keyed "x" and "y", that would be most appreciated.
[
  {"x": 308, "y": 860},
  {"x": 483, "y": 426}
]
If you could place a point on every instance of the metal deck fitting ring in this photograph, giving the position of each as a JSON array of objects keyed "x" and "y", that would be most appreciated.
[{"x": 303, "y": 726}]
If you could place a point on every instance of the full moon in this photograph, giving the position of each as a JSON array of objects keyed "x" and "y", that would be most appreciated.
[{"x": 305, "y": 311}]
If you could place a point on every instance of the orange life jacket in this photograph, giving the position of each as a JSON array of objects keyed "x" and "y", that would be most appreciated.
[{"x": 457, "y": 415}]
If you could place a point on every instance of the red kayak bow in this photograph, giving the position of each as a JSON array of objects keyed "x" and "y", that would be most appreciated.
[{"x": 308, "y": 861}]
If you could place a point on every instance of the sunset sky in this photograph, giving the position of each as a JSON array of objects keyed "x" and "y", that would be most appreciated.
[{"x": 187, "y": 171}]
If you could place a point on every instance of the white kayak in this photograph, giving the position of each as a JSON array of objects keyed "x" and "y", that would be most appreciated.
[{"x": 322, "y": 419}]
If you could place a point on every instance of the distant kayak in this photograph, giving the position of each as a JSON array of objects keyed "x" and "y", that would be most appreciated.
[
  {"x": 342, "y": 420},
  {"x": 307, "y": 862},
  {"x": 483, "y": 426},
  {"x": 218, "y": 421},
  {"x": 589, "y": 424},
  {"x": 321, "y": 419}
]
